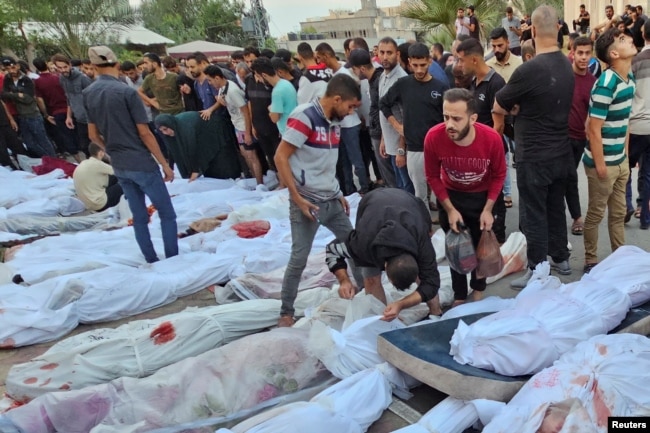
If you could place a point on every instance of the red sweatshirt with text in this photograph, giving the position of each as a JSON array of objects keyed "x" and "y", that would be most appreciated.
[{"x": 479, "y": 167}]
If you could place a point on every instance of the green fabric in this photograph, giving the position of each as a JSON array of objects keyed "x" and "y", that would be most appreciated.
[
  {"x": 166, "y": 92},
  {"x": 205, "y": 147}
]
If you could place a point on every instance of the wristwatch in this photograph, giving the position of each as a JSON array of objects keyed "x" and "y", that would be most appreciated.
[{"x": 401, "y": 152}]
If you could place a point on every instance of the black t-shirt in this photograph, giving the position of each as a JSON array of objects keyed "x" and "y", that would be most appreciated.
[
  {"x": 477, "y": 29},
  {"x": 484, "y": 94},
  {"x": 421, "y": 102},
  {"x": 637, "y": 35},
  {"x": 543, "y": 89},
  {"x": 259, "y": 95}
]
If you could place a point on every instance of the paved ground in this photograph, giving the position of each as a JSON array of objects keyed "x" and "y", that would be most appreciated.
[{"x": 425, "y": 397}]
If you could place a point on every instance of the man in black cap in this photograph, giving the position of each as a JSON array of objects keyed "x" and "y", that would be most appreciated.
[
  {"x": 19, "y": 89},
  {"x": 118, "y": 123},
  {"x": 393, "y": 233}
]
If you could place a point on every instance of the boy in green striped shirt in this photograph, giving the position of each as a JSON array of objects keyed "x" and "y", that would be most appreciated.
[{"x": 605, "y": 157}]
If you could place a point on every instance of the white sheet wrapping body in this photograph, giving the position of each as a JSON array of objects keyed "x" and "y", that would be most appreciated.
[
  {"x": 608, "y": 374},
  {"x": 101, "y": 295},
  {"x": 550, "y": 318},
  {"x": 349, "y": 406},
  {"x": 225, "y": 380},
  {"x": 138, "y": 348}
]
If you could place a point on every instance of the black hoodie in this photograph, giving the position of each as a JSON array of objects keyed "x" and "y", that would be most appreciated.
[{"x": 389, "y": 222}]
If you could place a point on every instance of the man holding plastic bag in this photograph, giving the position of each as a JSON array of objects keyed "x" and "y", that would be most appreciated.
[
  {"x": 393, "y": 232},
  {"x": 465, "y": 168}
]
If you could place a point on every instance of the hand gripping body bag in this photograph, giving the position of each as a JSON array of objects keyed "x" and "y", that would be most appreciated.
[{"x": 459, "y": 250}]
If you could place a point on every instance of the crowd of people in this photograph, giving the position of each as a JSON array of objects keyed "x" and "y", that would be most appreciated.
[{"x": 440, "y": 126}]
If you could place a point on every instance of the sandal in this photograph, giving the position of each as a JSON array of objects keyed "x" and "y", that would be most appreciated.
[
  {"x": 637, "y": 212},
  {"x": 588, "y": 267},
  {"x": 508, "y": 202},
  {"x": 577, "y": 229}
]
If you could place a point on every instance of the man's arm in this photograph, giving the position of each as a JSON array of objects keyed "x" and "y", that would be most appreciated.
[
  {"x": 275, "y": 117},
  {"x": 596, "y": 145},
  {"x": 152, "y": 102},
  {"x": 150, "y": 141},
  {"x": 391, "y": 99},
  {"x": 335, "y": 254},
  {"x": 95, "y": 136}
]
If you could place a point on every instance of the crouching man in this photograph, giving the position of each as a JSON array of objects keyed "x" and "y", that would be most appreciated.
[{"x": 393, "y": 233}]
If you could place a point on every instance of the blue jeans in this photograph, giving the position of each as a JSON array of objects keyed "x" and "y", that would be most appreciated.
[
  {"x": 33, "y": 133},
  {"x": 137, "y": 184},
  {"x": 507, "y": 185},
  {"x": 350, "y": 142},
  {"x": 402, "y": 178}
]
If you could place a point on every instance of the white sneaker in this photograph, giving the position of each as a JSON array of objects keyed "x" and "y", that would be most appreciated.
[{"x": 521, "y": 282}]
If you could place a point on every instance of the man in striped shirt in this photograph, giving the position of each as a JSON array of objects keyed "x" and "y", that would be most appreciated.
[
  {"x": 605, "y": 159},
  {"x": 306, "y": 162}
]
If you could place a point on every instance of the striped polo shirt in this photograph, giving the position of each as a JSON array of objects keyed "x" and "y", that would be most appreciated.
[
  {"x": 611, "y": 101},
  {"x": 313, "y": 164}
]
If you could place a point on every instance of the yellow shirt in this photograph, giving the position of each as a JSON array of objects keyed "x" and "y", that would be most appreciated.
[
  {"x": 506, "y": 69},
  {"x": 90, "y": 182}
]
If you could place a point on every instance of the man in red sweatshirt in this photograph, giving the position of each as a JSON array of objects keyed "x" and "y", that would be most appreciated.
[{"x": 465, "y": 168}]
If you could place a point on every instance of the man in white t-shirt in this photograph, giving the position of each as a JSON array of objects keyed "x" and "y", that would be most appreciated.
[
  {"x": 95, "y": 183},
  {"x": 462, "y": 23},
  {"x": 232, "y": 97}
]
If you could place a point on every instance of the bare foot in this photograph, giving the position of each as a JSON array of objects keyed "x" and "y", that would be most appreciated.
[
  {"x": 286, "y": 322},
  {"x": 476, "y": 295},
  {"x": 457, "y": 302}
]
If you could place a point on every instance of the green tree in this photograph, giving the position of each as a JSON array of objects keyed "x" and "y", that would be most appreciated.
[
  {"x": 528, "y": 6},
  {"x": 72, "y": 25},
  {"x": 189, "y": 20},
  {"x": 439, "y": 15}
]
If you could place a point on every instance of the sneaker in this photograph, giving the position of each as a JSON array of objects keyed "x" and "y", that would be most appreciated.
[
  {"x": 628, "y": 215},
  {"x": 588, "y": 267},
  {"x": 521, "y": 282},
  {"x": 562, "y": 267},
  {"x": 286, "y": 322}
]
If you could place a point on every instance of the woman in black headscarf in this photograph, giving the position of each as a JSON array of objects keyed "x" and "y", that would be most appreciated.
[{"x": 200, "y": 147}]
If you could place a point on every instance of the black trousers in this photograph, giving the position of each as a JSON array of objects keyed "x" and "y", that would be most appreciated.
[
  {"x": 9, "y": 141},
  {"x": 572, "y": 194},
  {"x": 542, "y": 187},
  {"x": 113, "y": 193},
  {"x": 470, "y": 205}
]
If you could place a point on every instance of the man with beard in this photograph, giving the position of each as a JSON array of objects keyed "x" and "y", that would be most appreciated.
[
  {"x": 581, "y": 49},
  {"x": 540, "y": 92},
  {"x": 390, "y": 137},
  {"x": 611, "y": 20},
  {"x": 485, "y": 84},
  {"x": 19, "y": 89},
  {"x": 73, "y": 83},
  {"x": 306, "y": 160},
  {"x": 504, "y": 61},
  {"x": 420, "y": 96},
  {"x": 465, "y": 168},
  {"x": 162, "y": 84},
  {"x": 196, "y": 64},
  {"x": 88, "y": 69}
]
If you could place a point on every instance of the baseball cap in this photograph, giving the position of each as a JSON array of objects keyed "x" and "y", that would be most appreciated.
[
  {"x": 101, "y": 55},
  {"x": 359, "y": 57},
  {"x": 8, "y": 61}
]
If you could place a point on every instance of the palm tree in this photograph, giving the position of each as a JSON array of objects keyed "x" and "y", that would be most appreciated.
[{"x": 439, "y": 15}]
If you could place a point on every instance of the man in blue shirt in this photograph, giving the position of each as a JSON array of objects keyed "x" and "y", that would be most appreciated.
[
  {"x": 118, "y": 123},
  {"x": 284, "y": 97}
]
